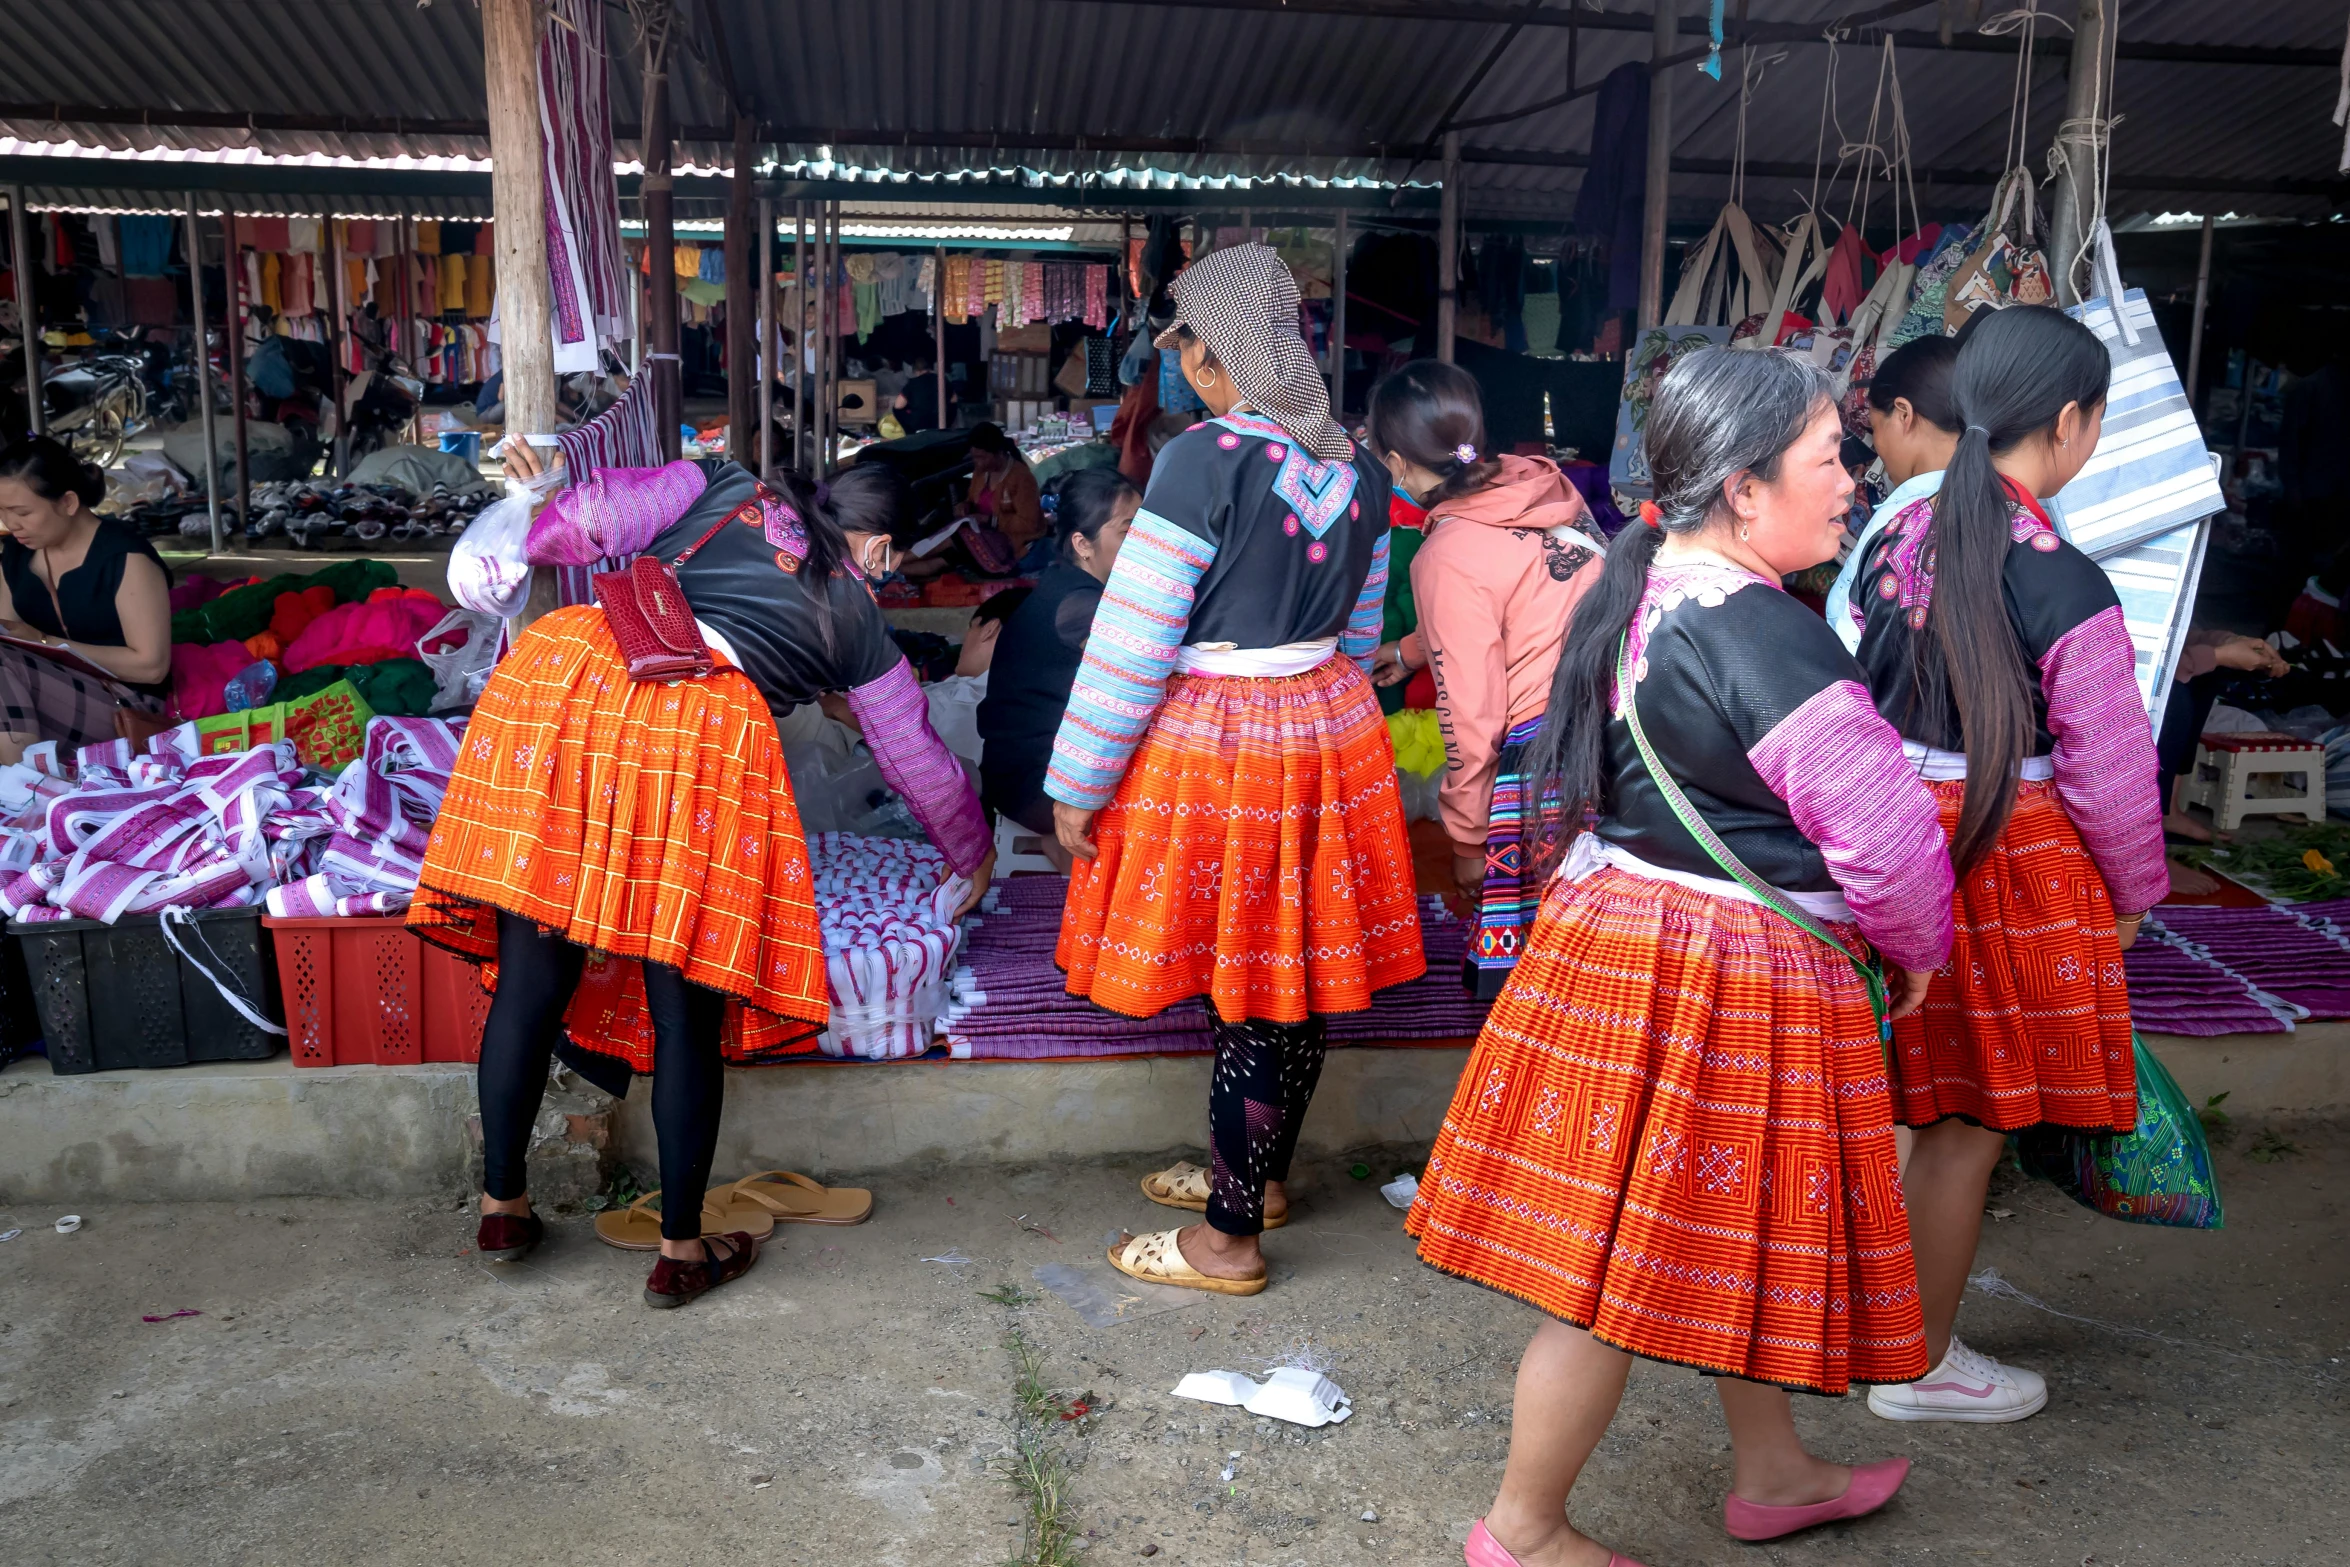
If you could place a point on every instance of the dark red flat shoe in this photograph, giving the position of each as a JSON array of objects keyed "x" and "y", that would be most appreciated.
[
  {"x": 673, "y": 1282},
  {"x": 507, "y": 1237}
]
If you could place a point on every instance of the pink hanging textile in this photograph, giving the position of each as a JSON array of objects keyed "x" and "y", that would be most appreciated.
[
  {"x": 625, "y": 435},
  {"x": 584, "y": 260},
  {"x": 1842, "y": 290}
]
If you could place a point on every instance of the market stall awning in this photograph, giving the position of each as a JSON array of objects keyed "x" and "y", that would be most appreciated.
[{"x": 1120, "y": 103}]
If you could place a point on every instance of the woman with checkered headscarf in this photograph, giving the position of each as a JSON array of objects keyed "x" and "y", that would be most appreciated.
[{"x": 1223, "y": 775}]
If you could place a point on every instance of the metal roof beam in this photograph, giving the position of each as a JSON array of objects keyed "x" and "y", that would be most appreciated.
[{"x": 1493, "y": 14}]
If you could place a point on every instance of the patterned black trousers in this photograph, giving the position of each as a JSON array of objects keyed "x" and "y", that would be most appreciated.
[{"x": 1265, "y": 1077}]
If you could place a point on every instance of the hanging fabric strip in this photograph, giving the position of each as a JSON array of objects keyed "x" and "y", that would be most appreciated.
[
  {"x": 625, "y": 435},
  {"x": 584, "y": 258}
]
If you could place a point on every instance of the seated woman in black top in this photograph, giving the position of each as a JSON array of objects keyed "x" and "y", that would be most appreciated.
[
  {"x": 78, "y": 582},
  {"x": 1040, "y": 647}
]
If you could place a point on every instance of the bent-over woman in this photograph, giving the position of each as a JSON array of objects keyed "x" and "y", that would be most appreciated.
[
  {"x": 1675, "y": 1135},
  {"x": 1224, "y": 774},
  {"x": 652, "y": 822},
  {"x": 1998, "y": 650}
]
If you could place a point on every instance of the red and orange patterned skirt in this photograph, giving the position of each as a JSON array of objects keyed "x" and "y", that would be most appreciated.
[
  {"x": 1675, "y": 1131},
  {"x": 1255, "y": 854},
  {"x": 2029, "y": 1022},
  {"x": 644, "y": 821}
]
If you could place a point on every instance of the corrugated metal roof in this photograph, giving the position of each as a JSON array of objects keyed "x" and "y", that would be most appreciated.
[{"x": 1195, "y": 89}]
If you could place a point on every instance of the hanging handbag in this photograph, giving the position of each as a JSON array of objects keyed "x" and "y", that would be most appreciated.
[
  {"x": 1872, "y": 973},
  {"x": 650, "y": 619}
]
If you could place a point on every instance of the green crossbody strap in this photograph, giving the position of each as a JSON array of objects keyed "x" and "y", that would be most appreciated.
[{"x": 1871, "y": 974}]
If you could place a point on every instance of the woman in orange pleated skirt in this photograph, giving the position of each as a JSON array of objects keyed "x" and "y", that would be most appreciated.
[
  {"x": 1675, "y": 1134},
  {"x": 1223, "y": 776},
  {"x": 624, "y": 856}
]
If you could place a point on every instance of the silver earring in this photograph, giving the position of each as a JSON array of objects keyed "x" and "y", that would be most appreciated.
[{"x": 1742, "y": 533}]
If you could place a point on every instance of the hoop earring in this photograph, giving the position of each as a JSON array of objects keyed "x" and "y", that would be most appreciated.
[{"x": 1207, "y": 375}]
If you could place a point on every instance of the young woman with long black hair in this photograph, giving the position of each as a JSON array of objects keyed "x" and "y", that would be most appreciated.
[
  {"x": 1998, "y": 651},
  {"x": 1675, "y": 1134}
]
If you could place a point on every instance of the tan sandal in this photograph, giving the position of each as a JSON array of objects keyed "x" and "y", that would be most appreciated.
[
  {"x": 1158, "y": 1259},
  {"x": 795, "y": 1199},
  {"x": 637, "y": 1227},
  {"x": 1186, "y": 1185}
]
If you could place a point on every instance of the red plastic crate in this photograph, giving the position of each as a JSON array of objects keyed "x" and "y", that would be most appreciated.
[{"x": 366, "y": 992}]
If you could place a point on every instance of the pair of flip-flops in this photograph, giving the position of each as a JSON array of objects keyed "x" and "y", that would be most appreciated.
[{"x": 752, "y": 1206}]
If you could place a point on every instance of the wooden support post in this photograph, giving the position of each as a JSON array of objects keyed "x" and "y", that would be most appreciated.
[
  {"x": 827, "y": 331},
  {"x": 1338, "y": 319},
  {"x": 1448, "y": 248},
  {"x": 659, "y": 200},
  {"x": 742, "y": 402},
  {"x": 518, "y": 201},
  {"x": 2202, "y": 297},
  {"x": 233, "y": 329},
  {"x": 799, "y": 336},
  {"x": 938, "y": 332},
  {"x": 2080, "y": 140},
  {"x": 28, "y": 306},
  {"x": 765, "y": 363},
  {"x": 195, "y": 246},
  {"x": 339, "y": 323},
  {"x": 1658, "y": 193}
]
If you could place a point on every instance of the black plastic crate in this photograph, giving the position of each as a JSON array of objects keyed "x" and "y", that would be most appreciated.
[{"x": 117, "y": 996}]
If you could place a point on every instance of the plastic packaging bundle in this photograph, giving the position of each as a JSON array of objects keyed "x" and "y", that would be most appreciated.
[{"x": 886, "y": 909}]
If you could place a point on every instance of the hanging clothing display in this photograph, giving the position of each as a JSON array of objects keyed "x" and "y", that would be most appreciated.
[{"x": 585, "y": 265}]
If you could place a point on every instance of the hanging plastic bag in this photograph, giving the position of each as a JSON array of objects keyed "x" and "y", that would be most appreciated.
[
  {"x": 2158, "y": 1173},
  {"x": 488, "y": 570},
  {"x": 452, "y": 666}
]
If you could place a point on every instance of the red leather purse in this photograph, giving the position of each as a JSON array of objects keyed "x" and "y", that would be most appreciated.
[{"x": 650, "y": 618}]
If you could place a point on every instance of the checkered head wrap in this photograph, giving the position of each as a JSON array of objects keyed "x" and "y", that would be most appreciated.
[{"x": 1242, "y": 303}]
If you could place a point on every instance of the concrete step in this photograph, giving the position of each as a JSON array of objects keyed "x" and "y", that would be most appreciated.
[{"x": 235, "y": 1130}]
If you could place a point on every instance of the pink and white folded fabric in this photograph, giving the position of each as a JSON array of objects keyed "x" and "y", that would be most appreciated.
[
  {"x": 886, "y": 910},
  {"x": 379, "y": 818},
  {"x": 138, "y": 833}
]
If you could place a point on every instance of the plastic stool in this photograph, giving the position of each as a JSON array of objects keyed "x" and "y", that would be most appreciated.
[
  {"x": 1010, "y": 857},
  {"x": 2226, "y": 764}
]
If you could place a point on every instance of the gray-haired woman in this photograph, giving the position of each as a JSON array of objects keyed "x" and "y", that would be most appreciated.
[{"x": 1675, "y": 1134}]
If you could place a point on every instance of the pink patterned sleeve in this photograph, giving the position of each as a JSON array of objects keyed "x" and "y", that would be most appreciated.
[
  {"x": 2104, "y": 757},
  {"x": 618, "y": 512},
  {"x": 1839, "y": 767},
  {"x": 917, "y": 764}
]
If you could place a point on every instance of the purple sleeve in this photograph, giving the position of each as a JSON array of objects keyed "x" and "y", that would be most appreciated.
[
  {"x": 917, "y": 764},
  {"x": 617, "y": 513},
  {"x": 2104, "y": 757},
  {"x": 1839, "y": 767}
]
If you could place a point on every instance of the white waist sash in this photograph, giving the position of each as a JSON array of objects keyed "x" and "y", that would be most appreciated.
[
  {"x": 1265, "y": 663},
  {"x": 1949, "y": 766},
  {"x": 1591, "y": 852}
]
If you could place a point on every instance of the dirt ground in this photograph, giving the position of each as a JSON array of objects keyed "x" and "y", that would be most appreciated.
[{"x": 359, "y": 1388}]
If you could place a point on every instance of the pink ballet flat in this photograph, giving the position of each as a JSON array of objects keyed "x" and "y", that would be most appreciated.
[
  {"x": 1872, "y": 1487},
  {"x": 1483, "y": 1550}
]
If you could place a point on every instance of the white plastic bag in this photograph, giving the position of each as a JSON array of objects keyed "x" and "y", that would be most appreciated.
[
  {"x": 488, "y": 571},
  {"x": 453, "y": 668}
]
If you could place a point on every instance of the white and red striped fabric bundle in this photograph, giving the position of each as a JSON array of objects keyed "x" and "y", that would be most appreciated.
[
  {"x": 381, "y": 810},
  {"x": 886, "y": 909}
]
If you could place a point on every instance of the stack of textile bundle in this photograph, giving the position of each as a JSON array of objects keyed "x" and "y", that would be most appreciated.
[
  {"x": 119, "y": 832},
  {"x": 886, "y": 908},
  {"x": 382, "y": 810}
]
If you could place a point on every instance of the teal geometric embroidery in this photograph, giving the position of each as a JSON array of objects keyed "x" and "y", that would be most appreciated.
[{"x": 1317, "y": 493}]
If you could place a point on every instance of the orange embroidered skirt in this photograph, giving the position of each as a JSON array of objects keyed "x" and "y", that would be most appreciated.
[
  {"x": 1675, "y": 1131},
  {"x": 643, "y": 821},
  {"x": 1254, "y": 854},
  {"x": 2029, "y": 1022}
]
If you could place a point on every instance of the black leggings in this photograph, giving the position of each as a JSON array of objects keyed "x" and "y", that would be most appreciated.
[
  {"x": 537, "y": 972},
  {"x": 1265, "y": 1077}
]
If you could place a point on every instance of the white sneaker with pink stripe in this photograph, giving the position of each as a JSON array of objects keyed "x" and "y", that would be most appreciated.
[{"x": 1968, "y": 1386}]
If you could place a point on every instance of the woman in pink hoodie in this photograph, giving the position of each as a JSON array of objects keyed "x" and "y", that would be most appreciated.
[{"x": 1510, "y": 549}]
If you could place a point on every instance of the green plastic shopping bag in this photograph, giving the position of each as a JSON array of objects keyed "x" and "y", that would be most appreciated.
[{"x": 2159, "y": 1173}]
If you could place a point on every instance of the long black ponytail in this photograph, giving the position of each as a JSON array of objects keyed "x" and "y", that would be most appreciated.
[
  {"x": 2017, "y": 370},
  {"x": 1719, "y": 414}
]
